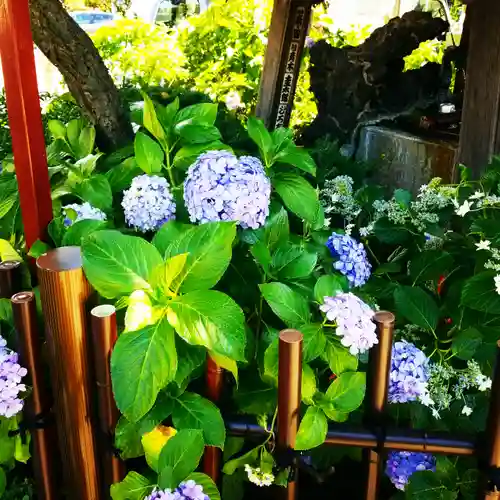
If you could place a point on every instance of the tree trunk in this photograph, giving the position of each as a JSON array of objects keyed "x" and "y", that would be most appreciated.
[{"x": 71, "y": 50}]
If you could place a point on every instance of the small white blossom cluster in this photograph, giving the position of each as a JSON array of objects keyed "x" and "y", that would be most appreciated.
[
  {"x": 431, "y": 199},
  {"x": 492, "y": 263},
  {"x": 337, "y": 198},
  {"x": 447, "y": 384},
  {"x": 258, "y": 477}
]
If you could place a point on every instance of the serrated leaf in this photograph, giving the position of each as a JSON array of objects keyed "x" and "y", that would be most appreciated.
[
  {"x": 200, "y": 133},
  {"x": 182, "y": 453},
  {"x": 209, "y": 249},
  {"x": 209, "y": 487},
  {"x": 260, "y": 135},
  {"x": 466, "y": 342},
  {"x": 314, "y": 341},
  {"x": 312, "y": 429},
  {"x": 416, "y": 306},
  {"x": 148, "y": 154},
  {"x": 96, "y": 191},
  {"x": 211, "y": 319},
  {"x": 191, "y": 411},
  {"x": 426, "y": 485},
  {"x": 347, "y": 391},
  {"x": 339, "y": 358},
  {"x": 142, "y": 364},
  {"x": 298, "y": 196},
  {"x": 479, "y": 293},
  {"x": 430, "y": 265},
  {"x": 133, "y": 487},
  {"x": 328, "y": 286},
  {"x": 297, "y": 157},
  {"x": 153, "y": 443},
  {"x": 80, "y": 230},
  {"x": 116, "y": 264},
  {"x": 287, "y": 304},
  {"x": 250, "y": 457},
  {"x": 151, "y": 122}
]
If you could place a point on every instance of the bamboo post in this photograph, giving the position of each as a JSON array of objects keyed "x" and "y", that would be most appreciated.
[
  {"x": 215, "y": 385},
  {"x": 289, "y": 396},
  {"x": 377, "y": 389},
  {"x": 64, "y": 292},
  {"x": 104, "y": 336},
  {"x": 38, "y": 404},
  {"x": 489, "y": 489},
  {"x": 10, "y": 278}
]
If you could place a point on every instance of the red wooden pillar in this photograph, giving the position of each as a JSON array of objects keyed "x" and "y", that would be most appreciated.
[{"x": 25, "y": 120}]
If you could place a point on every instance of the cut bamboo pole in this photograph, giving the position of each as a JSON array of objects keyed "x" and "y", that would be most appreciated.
[
  {"x": 493, "y": 436},
  {"x": 289, "y": 396},
  {"x": 215, "y": 385},
  {"x": 104, "y": 337},
  {"x": 64, "y": 293},
  {"x": 10, "y": 278},
  {"x": 377, "y": 389},
  {"x": 38, "y": 404}
]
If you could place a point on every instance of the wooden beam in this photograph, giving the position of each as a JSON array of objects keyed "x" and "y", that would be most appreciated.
[
  {"x": 23, "y": 106},
  {"x": 289, "y": 26},
  {"x": 480, "y": 132}
]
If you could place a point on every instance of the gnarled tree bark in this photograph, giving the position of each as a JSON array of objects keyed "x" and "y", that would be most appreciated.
[{"x": 72, "y": 51}]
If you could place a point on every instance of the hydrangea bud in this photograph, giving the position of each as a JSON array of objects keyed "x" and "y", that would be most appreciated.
[
  {"x": 148, "y": 203},
  {"x": 352, "y": 259},
  {"x": 83, "y": 212},
  {"x": 402, "y": 464},
  {"x": 221, "y": 187},
  {"x": 354, "y": 321}
]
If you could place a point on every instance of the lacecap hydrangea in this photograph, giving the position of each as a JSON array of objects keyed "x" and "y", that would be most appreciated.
[
  {"x": 11, "y": 374},
  {"x": 352, "y": 259},
  {"x": 188, "y": 490},
  {"x": 221, "y": 187},
  {"x": 401, "y": 465},
  {"x": 409, "y": 373},
  {"x": 83, "y": 212},
  {"x": 354, "y": 321},
  {"x": 148, "y": 203}
]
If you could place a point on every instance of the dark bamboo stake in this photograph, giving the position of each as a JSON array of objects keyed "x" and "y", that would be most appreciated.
[
  {"x": 377, "y": 388},
  {"x": 289, "y": 395},
  {"x": 104, "y": 336},
  {"x": 38, "y": 404},
  {"x": 215, "y": 385},
  {"x": 64, "y": 292},
  {"x": 489, "y": 490},
  {"x": 10, "y": 278}
]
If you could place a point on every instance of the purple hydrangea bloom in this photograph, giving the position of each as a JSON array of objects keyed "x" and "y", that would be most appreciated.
[
  {"x": 352, "y": 259},
  {"x": 309, "y": 44},
  {"x": 402, "y": 464},
  {"x": 83, "y": 211},
  {"x": 11, "y": 374},
  {"x": 148, "y": 203},
  {"x": 409, "y": 373},
  {"x": 354, "y": 321},
  {"x": 221, "y": 187},
  {"x": 188, "y": 490}
]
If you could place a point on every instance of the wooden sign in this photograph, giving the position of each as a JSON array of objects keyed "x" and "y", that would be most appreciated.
[{"x": 287, "y": 35}]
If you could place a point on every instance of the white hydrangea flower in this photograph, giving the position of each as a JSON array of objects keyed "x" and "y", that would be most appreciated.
[
  {"x": 497, "y": 283},
  {"x": 483, "y": 245},
  {"x": 477, "y": 195},
  {"x": 466, "y": 410},
  {"x": 464, "y": 209}
]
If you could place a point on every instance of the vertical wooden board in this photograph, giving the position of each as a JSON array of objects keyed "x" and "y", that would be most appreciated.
[
  {"x": 287, "y": 34},
  {"x": 23, "y": 106},
  {"x": 480, "y": 133}
]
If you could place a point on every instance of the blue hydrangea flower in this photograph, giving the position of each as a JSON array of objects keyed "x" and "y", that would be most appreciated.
[
  {"x": 188, "y": 490},
  {"x": 219, "y": 187},
  {"x": 409, "y": 373},
  {"x": 11, "y": 374},
  {"x": 402, "y": 464},
  {"x": 354, "y": 321},
  {"x": 352, "y": 259},
  {"x": 148, "y": 203},
  {"x": 83, "y": 211}
]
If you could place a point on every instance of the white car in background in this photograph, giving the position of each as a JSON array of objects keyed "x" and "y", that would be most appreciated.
[
  {"x": 166, "y": 11},
  {"x": 92, "y": 20}
]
